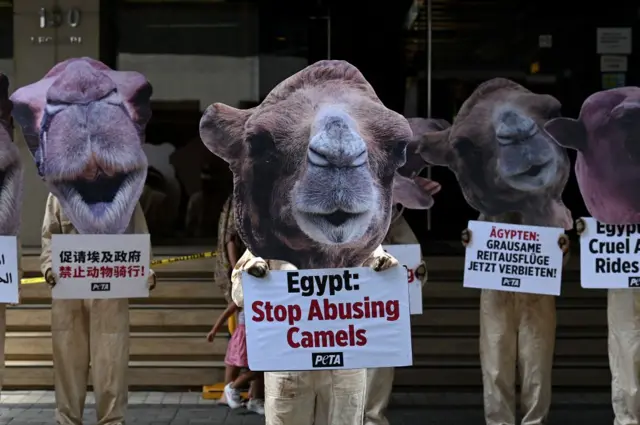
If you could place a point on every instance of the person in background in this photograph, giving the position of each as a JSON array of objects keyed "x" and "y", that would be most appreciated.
[
  {"x": 153, "y": 202},
  {"x": 236, "y": 360},
  {"x": 203, "y": 206},
  {"x": 84, "y": 331},
  {"x": 230, "y": 248}
]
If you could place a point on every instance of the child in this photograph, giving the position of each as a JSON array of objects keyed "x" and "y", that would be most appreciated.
[{"x": 235, "y": 360}]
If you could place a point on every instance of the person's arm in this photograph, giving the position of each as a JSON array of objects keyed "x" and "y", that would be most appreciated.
[
  {"x": 50, "y": 226},
  {"x": 244, "y": 263},
  {"x": 140, "y": 227},
  {"x": 228, "y": 312},
  {"x": 232, "y": 252}
]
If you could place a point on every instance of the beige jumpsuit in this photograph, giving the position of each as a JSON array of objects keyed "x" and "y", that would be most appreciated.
[
  {"x": 623, "y": 312},
  {"x": 517, "y": 330},
  {"x": 3, "y": 318},
  {"x": 328, "y": 397},
  {"x": 84, "y": 331},
  {"x": 380, "y": 380}
]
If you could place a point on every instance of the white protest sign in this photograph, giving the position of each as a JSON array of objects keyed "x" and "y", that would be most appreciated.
[
  {"x": 514, "y": 258},
  {"x": 609, "y": 255},
  {"x": 9, "y": 277},
  {"x": 327, "y": 319},
  {"x": 410, "y": 256},
  {"x": 100, "y": 266}
]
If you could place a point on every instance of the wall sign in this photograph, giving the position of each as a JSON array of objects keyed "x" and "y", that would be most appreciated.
[
  {"x": 613, "y": 63},
  {"x": 616, "y": 41}
]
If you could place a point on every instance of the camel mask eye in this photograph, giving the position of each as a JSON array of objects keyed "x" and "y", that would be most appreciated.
[{"x": 464, "y": 148}]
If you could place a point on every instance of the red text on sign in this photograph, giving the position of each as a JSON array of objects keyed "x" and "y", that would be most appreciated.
[
  {"x": 297, "y": 338},
  {"x": 524, "y": 235}
]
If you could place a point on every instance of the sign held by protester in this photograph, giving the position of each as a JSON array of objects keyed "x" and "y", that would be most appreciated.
[
  {"x": 9, "y": 277},
  {"x": 514, "y": 258},
  {"x": 609, "y": 255},
  {"x": 327, "y": 319},
  {"x": 410, "y": 256},
  {"x": 100, "y": 266}
]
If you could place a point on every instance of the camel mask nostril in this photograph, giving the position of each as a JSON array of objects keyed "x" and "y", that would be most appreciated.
[{"x": 84, "y": 124}]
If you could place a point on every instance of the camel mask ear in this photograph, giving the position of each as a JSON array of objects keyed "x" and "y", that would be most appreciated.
[
  {"x": 222, "y": 129},
  {"x": 416, "y": 193},
  {"x": 434, "y": 147},
  {"x": 567, "y": 132}
]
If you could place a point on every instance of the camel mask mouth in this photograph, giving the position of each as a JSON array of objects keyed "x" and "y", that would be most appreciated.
[
  {"x": 102, "y": 196},
  {"x": 535, "y": 177}
]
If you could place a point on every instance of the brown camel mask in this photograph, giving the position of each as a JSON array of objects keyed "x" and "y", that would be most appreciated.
[
  {"x": 502, "y": 158},
  {"x": 314, "y": 167}
]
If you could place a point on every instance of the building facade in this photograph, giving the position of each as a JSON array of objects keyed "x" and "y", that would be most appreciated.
[{"x": 422, "y": 57}]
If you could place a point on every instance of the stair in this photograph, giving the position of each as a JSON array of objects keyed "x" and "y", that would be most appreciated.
[{"x": 169, "y": 350}]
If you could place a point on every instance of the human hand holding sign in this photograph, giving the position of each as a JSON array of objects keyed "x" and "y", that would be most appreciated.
[
  {"x": 581, "y": 226},
  {"x": 257, "y": 267},
  {"x": 465, "y": 237},
  {"x": 151, "y": 280},
  {"x": 51, "y": 278},
  {"x": 421, "y": 273}
]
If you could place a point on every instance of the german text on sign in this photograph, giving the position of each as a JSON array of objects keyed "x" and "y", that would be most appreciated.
[{"x": 515, "y": 258}]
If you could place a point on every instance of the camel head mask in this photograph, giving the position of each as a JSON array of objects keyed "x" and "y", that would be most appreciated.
[
  {"x": 314, "y": 167},
  {"x": 10, "y": 168},
  {"x": 84, "y": 125},
  {"x": 606, "y": 136},
  {"x": 500, "y": 154}
]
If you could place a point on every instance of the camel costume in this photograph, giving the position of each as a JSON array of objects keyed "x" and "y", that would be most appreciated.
[
  {"x": 10, "y": 194},
  {"x": 607, "y": 138},
  {"x": 511, "y": 172},
  {"x": 315, "y": 168},
  {"x": 84, "y": 124}
]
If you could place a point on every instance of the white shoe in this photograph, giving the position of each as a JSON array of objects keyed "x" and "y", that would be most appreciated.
[
  {"x": 234, "y": 399},
  {"x": 256, "y": 405}
]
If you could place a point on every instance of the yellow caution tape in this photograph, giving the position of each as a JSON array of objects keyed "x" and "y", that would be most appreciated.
[{"x": 154, "y": 263}]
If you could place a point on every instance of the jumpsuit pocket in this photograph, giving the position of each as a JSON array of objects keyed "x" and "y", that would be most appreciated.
[
  {"x": 286, "y": 385},
  {"x": 110, "y": 316},
  {"x": 68, "y": 315},
  {"x": 352, "y": 381}
]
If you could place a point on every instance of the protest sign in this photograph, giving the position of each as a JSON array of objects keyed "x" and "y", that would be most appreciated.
[
  {"x": 609, "y": 255},
  {"x": 514, "y": 258},
  {"x": 100, "y": 266},
  {"x": 327, "y": 319},
  {"x": 410, "y": 256},
  {"x": 9, "y": 278}
]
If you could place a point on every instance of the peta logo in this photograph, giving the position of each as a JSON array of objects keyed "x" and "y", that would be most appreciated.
[
  {"x": 100, "y": 287},
  {"x": 634, "y": 281},
  {"x": 511, "y": 282},
  {"x": 327, "y": 360}
]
